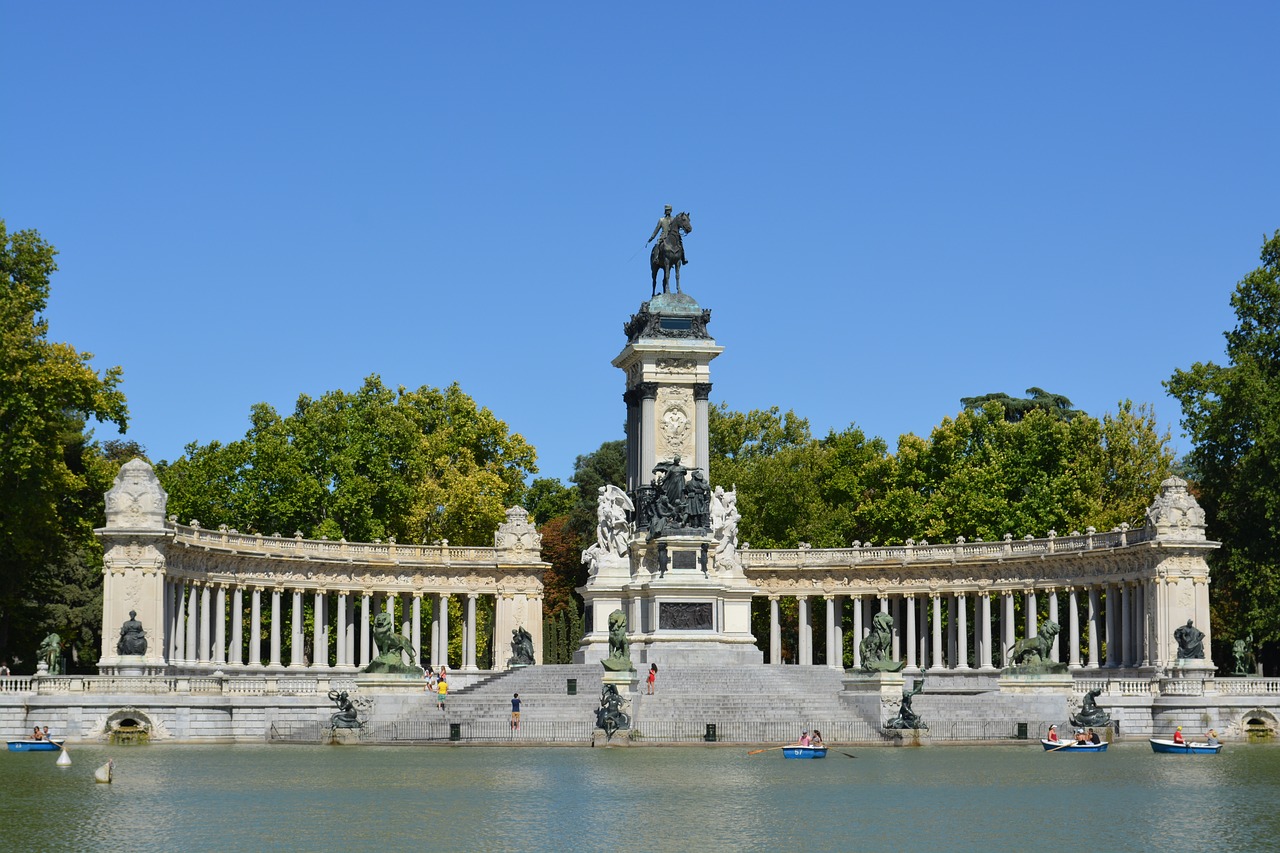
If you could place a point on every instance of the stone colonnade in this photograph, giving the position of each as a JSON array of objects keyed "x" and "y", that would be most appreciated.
[{"x": 197, "y": 592}]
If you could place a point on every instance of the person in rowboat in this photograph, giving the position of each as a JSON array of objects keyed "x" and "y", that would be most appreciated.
[
  {"x": 804, "y": 739},
  {"x": 36, "y": 734},
  {"x": 816, "y": 740},
  {"x": 1053, "y": 734},
  {"x": 1211, "y": 737},
  {"x": 1177, "y": 735},
  {"x": 1093, "y": 737}
]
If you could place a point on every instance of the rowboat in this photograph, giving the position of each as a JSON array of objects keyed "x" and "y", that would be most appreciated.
[
  {"x": 29, "y": 745},
  {"x": 1068, "y": 746},
  {"x": 1164, "y": 745},
  {"x": 804, "y": 752}
]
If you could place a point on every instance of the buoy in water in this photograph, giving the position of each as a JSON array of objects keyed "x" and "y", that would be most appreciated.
[
  {"x": 103, "y": 773},
  {"x": 64, "y": 760}
]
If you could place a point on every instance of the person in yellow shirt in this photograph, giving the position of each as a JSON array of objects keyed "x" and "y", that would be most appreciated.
[{"x": 442, "y": 691}]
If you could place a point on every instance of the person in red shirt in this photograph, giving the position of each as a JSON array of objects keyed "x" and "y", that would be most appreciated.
[
  {"x": 1053, "y": 734},
  {"x": 1177, "y": 735}
]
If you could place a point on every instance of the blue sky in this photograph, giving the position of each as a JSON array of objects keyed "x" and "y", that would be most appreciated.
[{"x": 894, "y": 205}]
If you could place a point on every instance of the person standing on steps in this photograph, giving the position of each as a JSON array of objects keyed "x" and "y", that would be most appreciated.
[
  {"x": 653, "y": 677},
  {"x": 515, "y": 710},
  {"x": 442, "y": 691}
]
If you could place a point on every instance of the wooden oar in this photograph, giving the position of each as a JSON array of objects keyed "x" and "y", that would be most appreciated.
[
  {"x": 1064, "y": 746},
  {"x": 769, "y": 748}
]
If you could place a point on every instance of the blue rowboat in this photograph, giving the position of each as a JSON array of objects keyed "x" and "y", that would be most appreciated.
[
  {"x": 1061, "y": 746},
  {"x": 1188, "y": 748},
  {"x": 30, "y": 745},
  {"x": 804, "y": 752}
]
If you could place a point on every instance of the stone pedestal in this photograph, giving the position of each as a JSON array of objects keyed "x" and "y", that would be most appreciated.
[
  {"x": 389, "y": 682},
  {"x": 874, "y": 695},
  {"x": 1041, "y": 683}
]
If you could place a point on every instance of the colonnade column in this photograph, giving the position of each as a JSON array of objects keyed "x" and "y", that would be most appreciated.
[
  {"x": 295, "y": 635},
  {"x": 804, "y": 640},
  {"x": 444, "y": 629},
  {"x": 831, "y": 629},
  {"x": 235, "y": 655},
  {"x": 1113, "y": 656},
  {"x": 319, "y": 631},
  {"x": 340, "y": 636},
  {"x": 219, "y": 655},
  {"x": 255, "y": 627},
  {"x": 275, "y": 627},
  {"x": 986, "y": 632},
  {"x": 648, "y": 451},
  {"x": 469, "y": 634},
  {"x": 206, "y": 633},
  {"x": 1053, "y": 617},
  {"x": 1126, "y": 633},
  {"x": 962, "y": 632},
  {"x": 416, "y": 639},
  {"x": 193, "y": 606},
  {"x": 1032, "y": 615},
  {"x": 1007, "y": 628},
  {"x": 1144, "y": 646},
  {"x": 366, "y": 653},
  {"x": 937, "y": 661},
  {"x": 1073, "y": 628},
  {"x": 952, "y": 660},
  {"x": 910, "y": 602},
  {"x": 857, "y": 632},
  {"x": 922, "y": 632},
  {"x": 1094, "y": 626}
]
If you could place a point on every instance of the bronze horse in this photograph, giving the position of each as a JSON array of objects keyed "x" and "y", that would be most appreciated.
[{"x": 670, "y": 252}]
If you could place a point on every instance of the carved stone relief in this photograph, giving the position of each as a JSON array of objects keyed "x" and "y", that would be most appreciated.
[{"x": 675, "y": 434}]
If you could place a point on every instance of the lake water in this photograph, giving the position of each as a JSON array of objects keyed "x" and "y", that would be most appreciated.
[{"x": 1005, "y": 798}]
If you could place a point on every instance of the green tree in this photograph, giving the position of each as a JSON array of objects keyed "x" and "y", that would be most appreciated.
[
  {"x": 48, "y": 393},
  {"x": 1017, "y": 408},
  {"x": 375, "y": 463},
  {"x": 1232, "y": 414}
]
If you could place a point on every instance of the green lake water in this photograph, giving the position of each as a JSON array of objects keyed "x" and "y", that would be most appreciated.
[{"x": 935, "y": 798}]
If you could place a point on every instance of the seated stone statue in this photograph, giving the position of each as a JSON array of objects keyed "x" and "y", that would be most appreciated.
[
  {"x": 133, "y": 640},
  {"x": 875, "y": 647},
  {"x": 390, "y": 648},
  {"x": 619, "y": 659},
  {"x": 521, "y": 648},
  {"x": 1090, "y": 714},
  {"x": 346, "y": 717}
]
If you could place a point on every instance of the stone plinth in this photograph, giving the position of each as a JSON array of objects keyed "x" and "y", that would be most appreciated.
[
  {"x": 1053, "y": 682},
  {"x": 390, "y": 682},
  {"x": 874, "y": 695},
  {"x": 628, "y": 683}
]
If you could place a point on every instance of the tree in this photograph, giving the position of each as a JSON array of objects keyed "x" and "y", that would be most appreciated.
[
  {"x": 375, "y": 463},
  {"x": 48, "y": 393},
  {"x": 1232, "y": 414},
  {"x": 1017, "y": 408}
]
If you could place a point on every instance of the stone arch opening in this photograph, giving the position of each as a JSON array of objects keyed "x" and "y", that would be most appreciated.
[{"x": 1259, "y": 724}]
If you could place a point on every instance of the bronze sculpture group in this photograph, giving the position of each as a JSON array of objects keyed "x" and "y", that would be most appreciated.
[
  {"x": 133, "y": 639},
  {"x": 874, "y": 648},
  {"x": 668, "y": 254}
]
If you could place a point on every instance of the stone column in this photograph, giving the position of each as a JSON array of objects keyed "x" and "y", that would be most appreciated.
[
  {"x": 804, "y": 637},
  {"x": 986, "y": 631},
  {"x": 922, "y": 632},
  {"x": 909, "y": 602},
  {"x": 236, "y": 656},
  {"x": 648, "y": 430},
  {"x": 952, "y": 659},
  {"x": 701, "y": 433},
  {"x": 775, "y": 632},
  {"x": 962, "y": 633},
  {"x": 895, "y": 639},
  {"x": 416, "y": 639},
  {"x": 1113, "y": 604},
  {"x": 179, "y": 624},
  {"x": 295, "y": 635},
  {"x": 340, "y": 637},
  {"x": 1032, "y": 615},
  {"x": 1053, "y": 617},
  {"x": 220, "y": 625},
  {"x": 831, "y": 629},
  {"x": 469, "y": 645},
  {"x": 193, "y": 621},
  {"x": 1094, "y": 626},
  {"x": 444, "y": 629},
  {"x": 1073, "y": 628},
  {"x": 366, "y": 652},
  {"x": 206, "y": 623},
  {"x": 857, "y": 632},
  {"x": 938, "y": 661},
  {"x": 275, "y": 627},
  {"x": 350, "y": 609},
  {"x": 1008, "y": 631},
  {"x": 255, "y": 627},
  {"x": 1144, "y": 645},
  {"x": 837, "y": 662},
  {"x": 319, "y": 632},
  {"x": 435, "y": 630},
  {"x": 1126, "y": 626}
]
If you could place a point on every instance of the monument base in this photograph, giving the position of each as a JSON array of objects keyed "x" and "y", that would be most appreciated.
[
  {"x": 390, "y": 682},
  {"x": 1054, "y": 682}
]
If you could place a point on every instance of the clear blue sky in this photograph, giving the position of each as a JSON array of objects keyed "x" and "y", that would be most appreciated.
[{"x": 895, "y": 205}]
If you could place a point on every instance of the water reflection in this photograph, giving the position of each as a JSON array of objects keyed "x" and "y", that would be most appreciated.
[{"x": 692, "y": 798}]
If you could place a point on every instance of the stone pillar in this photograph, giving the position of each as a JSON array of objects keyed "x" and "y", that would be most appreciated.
[
  {"x": 444, "y": 629},
  {"x": 648, "y": 450},
  {"x": 937, "y": 661},
  {"x": 1094, "y": 626},
  {"x": 416, "y": 639},
  {"x": 832, "y": 648},
  {"x": 1126, "y": 626},
  {"x": 366, "y": 652},
  {"x": 1073, "y": 628},
  {"x": 952, "y": 659},
  {"x": 350, "y": 609},
  {"x": 804, "y": 633},
  {"x": 179, "y": 652},
  {"x": 296, "y": 651},
  {"x": 857, "y": 632},
  {"x": 1053, "y": 617},
  {"x": 1113, "y": 604},
  {"x": 1008, "y": 632},
  {"x": 837, "y": 662},
  {"x": 909, "y": 603},
  {"x": 1032, "y": 615},
  {"x": 701, "y": 433},
  {"x": 775, "y": 632},
  {"x": 470, "y": 643},
  {"x": 985, "y": 599},
  {"x": 255, "y": 627},
  {"x": 340, "y": 635},
  {"x": 193, "y": 621},
  {"x": 319, "y": 632},
  {"x": 895, "y": 639},
  {"x": 922, "y": 632},
  {"x": 236, "y": 656},
  {"x": 435, "y": 631},
  {"x": 275, "y": 627},
  {"x": 1144, "y": 643},
  {"x": 962, "y": 633},
  {"x": 220, "y": 625}
]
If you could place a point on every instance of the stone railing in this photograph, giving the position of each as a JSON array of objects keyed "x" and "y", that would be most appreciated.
[
  {"x": 16, "y": 684},
  {"x": 285, "y": 685},
  {"x": 1248, "y": 686},
  {"x": 327, "y": 550},
  {"x": 953, "y": 552}
]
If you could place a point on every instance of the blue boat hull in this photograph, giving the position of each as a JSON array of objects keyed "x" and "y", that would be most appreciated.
[
  {"x": 34, "y": 745},
  {"x": 1162, "y": 745},
  {"x": 1061, "y": 746},
  {"x": 804, "y": 752}
]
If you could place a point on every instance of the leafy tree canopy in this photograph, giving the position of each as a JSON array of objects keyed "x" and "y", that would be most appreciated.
[
  {"x": 1017, "y": 408},
  {"x": 374, "y": 463},
  {"x": 52, "y": 475},
  {"x": 1232, "y": 414}
]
